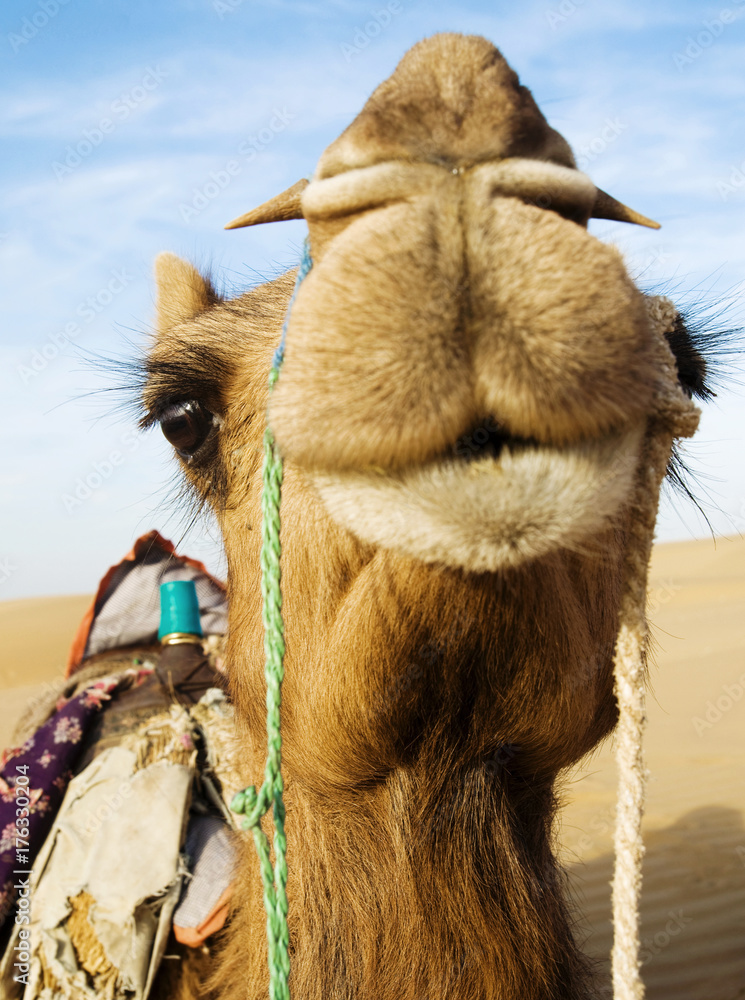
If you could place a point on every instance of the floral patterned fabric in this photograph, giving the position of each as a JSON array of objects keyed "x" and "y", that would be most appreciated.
[{"x": 34, "y": 777}]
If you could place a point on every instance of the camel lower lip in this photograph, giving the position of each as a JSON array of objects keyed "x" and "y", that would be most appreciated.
[{"x": 485, "y": 512}]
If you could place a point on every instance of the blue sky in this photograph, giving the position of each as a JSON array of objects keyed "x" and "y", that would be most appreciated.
[{"x": 115, "y": 119}]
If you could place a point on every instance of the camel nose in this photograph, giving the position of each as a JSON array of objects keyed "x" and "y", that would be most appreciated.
[
  {"x": 377, "y": 368},
  {"x": 453, "y": 301},
  {"x": 560, "y": 340}
]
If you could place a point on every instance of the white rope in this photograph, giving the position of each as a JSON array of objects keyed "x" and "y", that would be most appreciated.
[
  {"x": 629, "y": 847},
  {"x": 676, "y": 417}
]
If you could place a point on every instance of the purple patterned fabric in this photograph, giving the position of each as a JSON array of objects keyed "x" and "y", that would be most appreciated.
[{"x": 33, "y": 780}]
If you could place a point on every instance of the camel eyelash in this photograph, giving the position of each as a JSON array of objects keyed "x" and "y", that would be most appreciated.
[
  {"x": 194, "y": 376},
  {"x": 707, "y": 353}
]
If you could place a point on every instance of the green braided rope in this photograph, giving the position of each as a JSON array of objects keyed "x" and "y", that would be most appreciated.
[{"x": 255, "y": 806}]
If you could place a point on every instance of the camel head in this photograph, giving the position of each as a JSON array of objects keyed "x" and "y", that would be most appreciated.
[
  {"x": 475, "y": 410},
  {"x": 470, "y": 375}
]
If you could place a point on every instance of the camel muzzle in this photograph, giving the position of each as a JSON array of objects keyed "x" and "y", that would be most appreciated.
[{"x": 440, "y": 296}]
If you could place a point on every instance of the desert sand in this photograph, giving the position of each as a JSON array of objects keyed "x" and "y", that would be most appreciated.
[
  {"x": 693, "y": 903},
  {"x": 35, "y": 636},
  {"x": 693, "y": 906}
]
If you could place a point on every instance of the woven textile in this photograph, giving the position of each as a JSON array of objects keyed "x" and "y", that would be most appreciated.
[
  {"x": 109, "y": 875},
  {"x": 210, "y": 852},
  {"x": 34, "y": 777}
]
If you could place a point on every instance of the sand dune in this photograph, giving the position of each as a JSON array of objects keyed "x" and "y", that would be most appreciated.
[
  {"x": 694, "y": 890},
  {"x": 693, "y": 906},
  {"x": 35, "y": 636}
]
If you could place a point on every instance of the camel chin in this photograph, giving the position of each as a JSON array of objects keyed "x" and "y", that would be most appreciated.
[{"x": 490, "y": 513}]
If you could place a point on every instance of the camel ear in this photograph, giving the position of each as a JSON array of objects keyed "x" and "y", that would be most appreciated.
[
  {"x": 280, "y": 208},
  {"x": 182, "y": 291}
]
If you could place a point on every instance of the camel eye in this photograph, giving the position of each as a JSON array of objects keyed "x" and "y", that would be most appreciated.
[{"x": 186, "y": 426}]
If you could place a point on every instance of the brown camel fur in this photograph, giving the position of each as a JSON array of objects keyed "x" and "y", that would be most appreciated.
[{"x": 470, "y": 390}]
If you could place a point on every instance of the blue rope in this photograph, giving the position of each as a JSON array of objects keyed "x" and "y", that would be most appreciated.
[{"x": 279, "y": 355}]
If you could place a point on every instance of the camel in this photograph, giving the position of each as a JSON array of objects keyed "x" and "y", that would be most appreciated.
[{"x": 475, "y": 410}]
